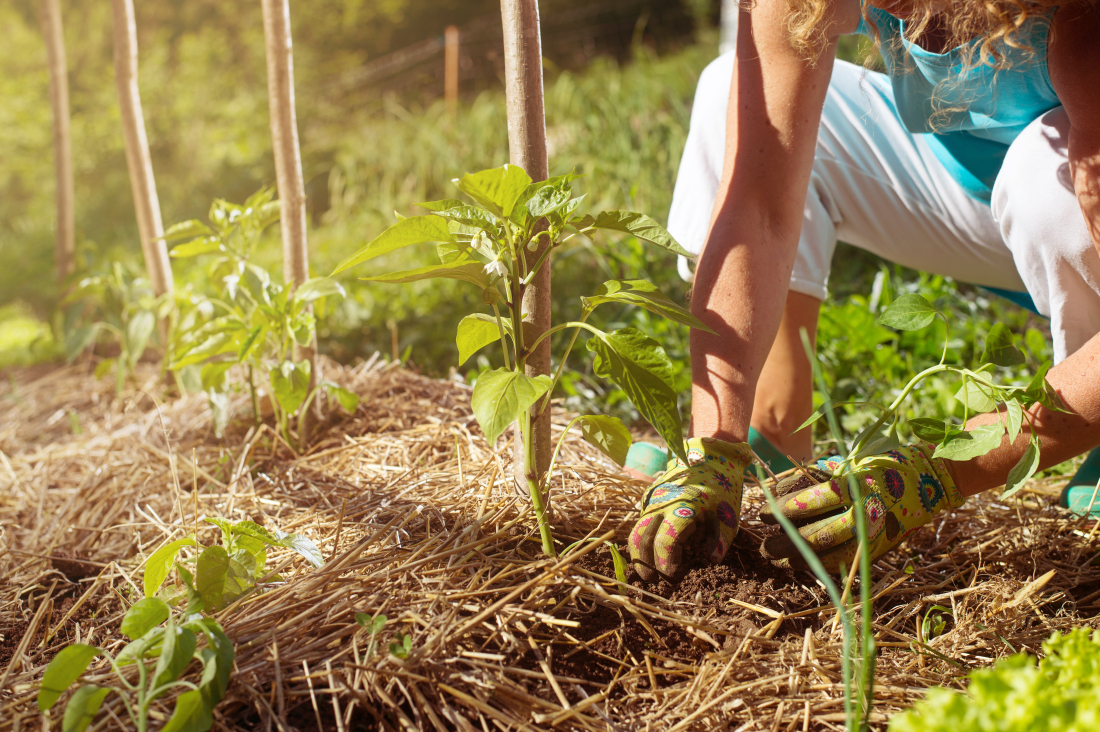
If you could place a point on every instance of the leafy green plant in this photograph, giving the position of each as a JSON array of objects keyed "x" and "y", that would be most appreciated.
[
  {"x": 212, "y": 577},
  {"x": 935, "y": 622},
  {"x": 486, "y": 244},
  {"x": 162, "y": 650},
  {"x": 376, "y": 623},
  {"x": 1060, "y": 691},
  {"x": 254, "y": 321},
  {"x": 401, "y": 646},
  {"x": 118, "y": 304}
]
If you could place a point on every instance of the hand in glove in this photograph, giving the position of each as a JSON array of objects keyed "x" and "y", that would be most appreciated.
[
  {"x": 704, "y": 495},
  {"x": 901, "y": 490}
]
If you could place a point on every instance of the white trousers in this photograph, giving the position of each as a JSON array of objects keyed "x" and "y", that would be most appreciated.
[{"x": 879, "y": 187}]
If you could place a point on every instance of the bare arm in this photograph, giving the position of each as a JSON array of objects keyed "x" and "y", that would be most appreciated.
[
  {"x": 743, "y": 275},
  {"x": 1074, "y": 63}
]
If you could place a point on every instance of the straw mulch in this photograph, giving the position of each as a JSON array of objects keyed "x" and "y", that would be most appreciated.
[{"x": 419, "y": 520}]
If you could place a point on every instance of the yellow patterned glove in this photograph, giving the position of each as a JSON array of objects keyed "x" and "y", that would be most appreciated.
[
  {"x": 902, "y": 491},
  {"x": 704, "y": 495}
]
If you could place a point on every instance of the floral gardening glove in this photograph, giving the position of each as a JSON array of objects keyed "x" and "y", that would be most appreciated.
[
  {"x": 901, "y": 490},
  {"x": 704, "y": 495}
]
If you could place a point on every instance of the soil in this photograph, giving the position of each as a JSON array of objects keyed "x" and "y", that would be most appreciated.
[
  {"x": 104, "y": 604},
  {"x": 704, "y": 591}
]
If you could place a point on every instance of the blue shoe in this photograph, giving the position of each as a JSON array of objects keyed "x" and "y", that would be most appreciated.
[
  {"x": 651, "y": 460},
  {"x": 768, "y": 452},
  {"x": 1078, "y": 494}
]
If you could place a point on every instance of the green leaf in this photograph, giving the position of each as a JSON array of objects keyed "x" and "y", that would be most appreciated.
[
  {"x": 415, "y": 230},
  {"x": 77, "y": 340},
  {"x": 376, "y": 623},
  {"x": 641, "y": 226},
  {"x": 145, "y": 614},
  {"x": 187, "y": 230},
  {"x": 82, "y": 707},
  {"x": 445, "y": 204},
  {"x": 1023, "y": 470},
  {"x": 226, "y": 527},
  {"x": 645, "y": 295},
  {"x": 450, "y": 252},
  {"x": 290, "y": 384},
  {"x": 211, "y": 573},
  {"x": 176, "y": 653},
  {"x": 223, "y": 647},
  {"x": 347, "y": 399},
  {"x": 158, "y": 566},
  {"x": 877, "y": 443},
  {"x": 497, "y": 189},
  {"x": 908, "y": 312},
  {"x": 999, "y": 348},
  {"x": 318, "y": 287},
  {"x": 206, "y": 245},
  {"x": 303, "y": 546},
  {"x": 103, "y": 367},
  {"x": 138, "y": 329},
  {"x": 256, "y": 548},
  {"x": 191, "y": 714},
  {"x": 978, "y": 398},
  {"x": 469, "y": 270},
  {"x": 641, "y": 368},
  {"x": 474, "y": 333},
  {"x": 621, "y": 567},
  {"x": 967, "y": 445},
  {"x": 547, "y": 200},
  {"x": 929, "y": 430},
  {"x": 65, "y": 668},
  {"x": 501, "y": 396},
  {"x": 213, "y": 375},
  {"x": 608, "y": 434},
  {"x": 1014, "y": 419},
  {"x": 1040, "y": 390},
  {"x": 253, "y": 529}
]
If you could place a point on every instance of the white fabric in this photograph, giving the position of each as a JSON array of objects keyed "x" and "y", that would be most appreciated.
[{"x": 880, "y": 188}]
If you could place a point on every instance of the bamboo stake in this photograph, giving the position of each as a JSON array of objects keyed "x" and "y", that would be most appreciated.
[
  {"x": 527, "y": 149},
  {"x": 52, "y": 30},
  {"x": 450, "y": 67},
  {"x": 288, "y": 171},
  {"x": 142, "y": 183}
]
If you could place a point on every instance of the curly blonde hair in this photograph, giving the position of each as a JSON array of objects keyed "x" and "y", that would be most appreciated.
[{"x": 995, "y": 22}]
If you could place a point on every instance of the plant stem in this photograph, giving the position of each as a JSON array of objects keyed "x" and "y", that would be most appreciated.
[
  {"x": 533, "y": 486},
  {"x": 255, "y": 397},
  {"x": 503, "y": 342}
]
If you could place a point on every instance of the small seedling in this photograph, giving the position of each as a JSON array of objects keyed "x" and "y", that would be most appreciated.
[
  {"x": 376, "y": 623},
  {"x": 401, "y": 646},
  {"x": 498, "y": 244},
  {"x": 935, "y": 622},
  {"x": 161, "y": 650}
]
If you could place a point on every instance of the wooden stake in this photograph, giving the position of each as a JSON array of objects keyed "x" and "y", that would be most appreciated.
[
  {"x": 288, "y": 168},
  {"x": 144, "y": 186},
  {"x": 450, "y": 67},
  {"x": 527, "y": 149},
  {"x": 65, "y": 249}
]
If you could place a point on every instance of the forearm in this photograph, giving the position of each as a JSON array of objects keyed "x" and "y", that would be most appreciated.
[
  {"x": 1061, "y": 436},
  {"x": 742, "y": 277}
]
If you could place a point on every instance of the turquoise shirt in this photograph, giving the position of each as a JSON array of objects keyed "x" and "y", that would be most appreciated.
[{"x": 967, "y": 111}]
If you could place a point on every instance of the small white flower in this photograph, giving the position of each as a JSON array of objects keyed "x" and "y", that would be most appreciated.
[
  {"x": 496, "y": 268},
  {"x": 483, "y": 245}
]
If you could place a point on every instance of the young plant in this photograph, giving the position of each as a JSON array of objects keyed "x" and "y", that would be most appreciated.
[
  {"x": 161, "y": 649},
  {"x": 118, "y": 304},
  {"x": 213, "y": 577},
  {"x": 485, "y": 243},
  {"x": 255, "y": 322}
]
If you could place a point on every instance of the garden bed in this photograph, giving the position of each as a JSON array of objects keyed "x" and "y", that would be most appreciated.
[{"x": 419, "y": 520}]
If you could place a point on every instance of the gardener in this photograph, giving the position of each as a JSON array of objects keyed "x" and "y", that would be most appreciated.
[{"x": 976, "y": 156}]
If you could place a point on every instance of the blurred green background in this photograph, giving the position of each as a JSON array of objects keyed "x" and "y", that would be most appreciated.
[{"x": 620, "y": 81}]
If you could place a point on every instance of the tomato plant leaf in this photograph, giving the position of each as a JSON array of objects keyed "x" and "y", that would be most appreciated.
[
  {"x": 474, "y": 333},
  {"x": 608, "y": 434},
  {"x": 187, "y": 230},
  {"x": 908, "y": 312},
  {"x": 198, "y": 247},
  {"x": 999, "y": 348},
  {"x": 468, "y": 270},
  {"x": 547, "y": 200},
  {"x": 303, "y": 546},
  {"x": 500, "y": 396},
  {"x": 445, "y": 204},
  {"x": 641, "y": 226},
  {"x": 645, "y": 295},
  {"x": 318, "y": 287},
  {"x": 967, "y": 445},
  {"x": 640, "y": 367},
  {"x": 414, "y": 230},
  {"x": 978, "y": 398},
  {"x": 210, "y": 576},
  {"x": 177, "y": 650},
  {"x": 290, "y": 384},
  {"x": 190, "y": 715},
  {"x": 1014, "y": 419},
  {"x": 82, "y": 707},
  {"x": 929, "y": 430},
  {"x": 347, "y": 399},
  {"x": 145, "y": 614},
  {"x": 160, "y": 563},
  {"x": 65, "y": 668},
  {"x": 497, "y": 189},
  {"x": 1023, "y": 470}
]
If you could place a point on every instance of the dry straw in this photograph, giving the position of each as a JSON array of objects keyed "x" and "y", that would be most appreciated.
[{"x": 421, "y": 522}]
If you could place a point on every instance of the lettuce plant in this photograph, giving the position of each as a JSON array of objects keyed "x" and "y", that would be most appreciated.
[
  {"x": 1059, "y": 692},
  {"x": 485, "y": 242}
]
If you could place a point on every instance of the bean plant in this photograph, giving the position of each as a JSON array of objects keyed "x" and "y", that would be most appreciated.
[
  {"x": 252, "y": 321},
  {"x": 491, "y": 243}
]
